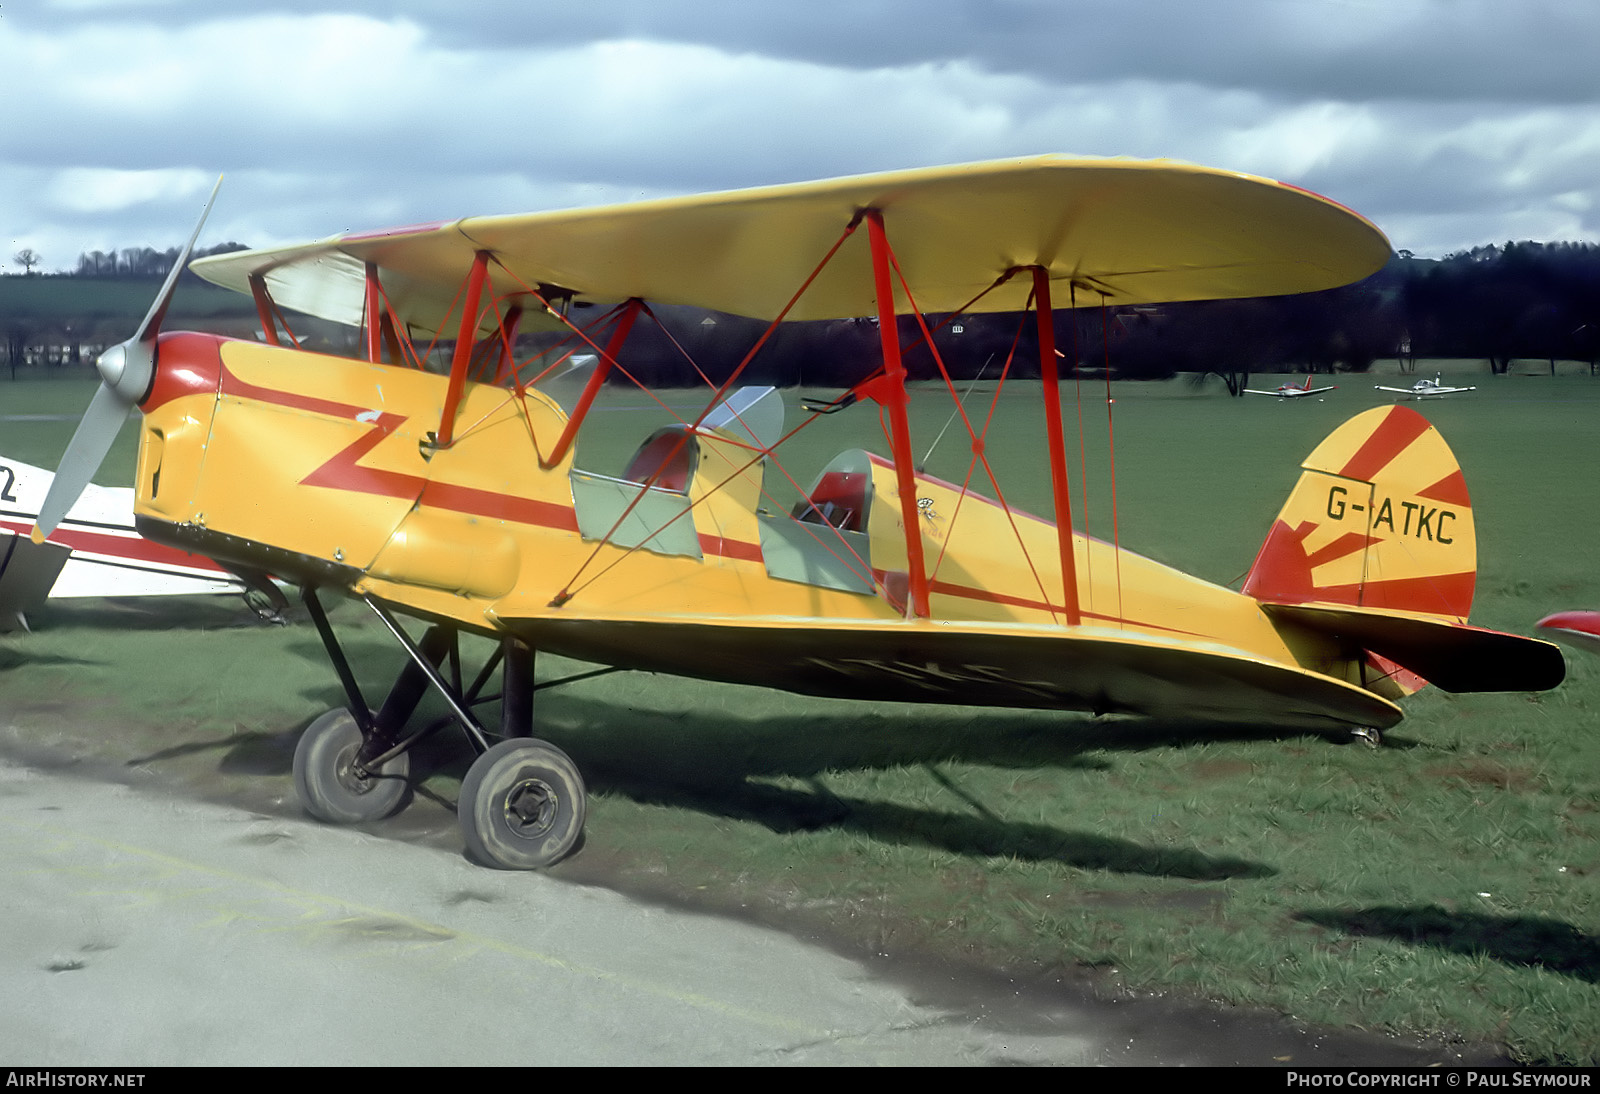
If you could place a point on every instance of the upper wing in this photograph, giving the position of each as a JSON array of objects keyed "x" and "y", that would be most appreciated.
[
  {"x": 1011, "y": 665},
  {"x": 1125, "y": 231}
]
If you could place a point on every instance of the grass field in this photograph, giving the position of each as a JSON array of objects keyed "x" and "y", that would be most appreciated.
[{"x": 1445, "y": 884}]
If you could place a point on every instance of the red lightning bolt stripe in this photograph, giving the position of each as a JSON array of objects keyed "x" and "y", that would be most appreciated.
[{"x": 344, "y": 471}]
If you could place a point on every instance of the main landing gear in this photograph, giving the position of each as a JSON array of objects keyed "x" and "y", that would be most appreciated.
[{"x": 522, "y": 803}]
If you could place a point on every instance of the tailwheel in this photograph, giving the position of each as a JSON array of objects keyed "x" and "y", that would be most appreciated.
[
  {"x": 331, "y": 785},
  {"x": 522, "y": 805},
  {"x": 1366, "y": 736}
]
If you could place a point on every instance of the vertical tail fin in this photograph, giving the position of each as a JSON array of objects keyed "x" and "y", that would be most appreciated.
[{"x": 1380, "y": 519}]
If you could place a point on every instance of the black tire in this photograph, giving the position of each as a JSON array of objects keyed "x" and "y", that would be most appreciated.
[
  {"x": 522, "y": 805},
  {"x": 328, "y": 789}
]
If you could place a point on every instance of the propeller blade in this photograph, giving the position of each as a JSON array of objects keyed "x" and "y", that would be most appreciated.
[
  {"x": 126, "y": 372},
  {"x": 158, "y": 310},
  {"x": 100, "y": 425}
]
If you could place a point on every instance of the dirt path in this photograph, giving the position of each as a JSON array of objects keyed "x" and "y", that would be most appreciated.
[{"x": 146, "y": 926}]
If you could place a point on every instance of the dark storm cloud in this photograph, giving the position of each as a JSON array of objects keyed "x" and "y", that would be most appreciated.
[
  {"x": 1417, "y": 112},
  {"x": 1354, "y": 50}
]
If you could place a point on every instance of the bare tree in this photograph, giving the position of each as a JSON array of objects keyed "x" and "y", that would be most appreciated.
[{"x": 27, "y": 258}]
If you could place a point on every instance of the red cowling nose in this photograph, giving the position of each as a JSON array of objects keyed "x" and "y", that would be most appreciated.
[{"x": 186, "y": 364}]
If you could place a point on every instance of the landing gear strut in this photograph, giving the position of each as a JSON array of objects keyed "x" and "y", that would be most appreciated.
[{"x": 522, "y": 803}]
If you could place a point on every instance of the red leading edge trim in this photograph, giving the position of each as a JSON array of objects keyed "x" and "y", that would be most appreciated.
[
  {"x": 390, "y": 233},
  {"x": 1325, "y": 199}
]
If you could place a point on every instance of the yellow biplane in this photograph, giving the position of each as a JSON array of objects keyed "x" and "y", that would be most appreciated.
[{"x": 449, "y": 494}]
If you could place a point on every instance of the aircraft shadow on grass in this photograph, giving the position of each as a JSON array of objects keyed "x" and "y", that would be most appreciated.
[
  {"x": 717, "y": 762},
  {"x": 14, "y": 659},
  {"x": 1526, "y": 940},
  {"x": 149, "y": 613}
]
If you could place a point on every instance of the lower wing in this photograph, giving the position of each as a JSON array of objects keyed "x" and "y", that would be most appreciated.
[{"x": 1102, "y": 671}]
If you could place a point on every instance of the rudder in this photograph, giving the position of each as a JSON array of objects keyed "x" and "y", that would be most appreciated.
[{"x": 1380, "y": 519}]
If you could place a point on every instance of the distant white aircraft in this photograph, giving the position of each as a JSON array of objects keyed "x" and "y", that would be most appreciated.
[
  {"x": 94, "y": 552},
  {"x": 1424, "y": 389},
  {"x": 1292, "y": 391}
]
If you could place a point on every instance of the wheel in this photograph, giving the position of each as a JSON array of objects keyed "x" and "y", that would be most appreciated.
[
  {"x": 522, "y": 805},
  {"x": 329, "y": 790},
  {"x": 1366, "y": 736}
]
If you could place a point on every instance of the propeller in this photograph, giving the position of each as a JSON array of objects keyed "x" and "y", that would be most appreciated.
[{"x": 127, "y": 370}]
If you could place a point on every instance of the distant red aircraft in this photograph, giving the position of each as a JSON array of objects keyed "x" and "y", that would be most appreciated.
[
  {"x": 1291, "y": 391},
  {"x": 1578, "y": 629}
]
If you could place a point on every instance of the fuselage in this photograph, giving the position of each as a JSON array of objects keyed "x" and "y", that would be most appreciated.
[{"x": 321, "y": 470}]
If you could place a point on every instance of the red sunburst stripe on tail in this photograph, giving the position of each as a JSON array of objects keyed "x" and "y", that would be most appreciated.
[
  {"x": 1440, "y": 594},
  {"x": 1397, "y": 430},
  {"x": 1452, "y": 490},
  {"x": 1347, "y": 544}
]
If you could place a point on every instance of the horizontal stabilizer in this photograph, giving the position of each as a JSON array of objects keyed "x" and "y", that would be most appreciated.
[{"x": 1453, "y": 656}]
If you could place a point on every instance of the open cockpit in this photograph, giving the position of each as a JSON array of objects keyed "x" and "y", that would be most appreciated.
[{"x": 687, "y": 487}]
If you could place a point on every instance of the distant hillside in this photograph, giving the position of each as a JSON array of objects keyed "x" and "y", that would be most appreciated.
[
  {"x": 66, "y": 319},
  {"x": 64, "y": 298}
]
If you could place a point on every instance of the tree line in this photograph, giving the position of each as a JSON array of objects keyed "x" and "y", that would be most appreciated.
[
  {"x": 139, "y": 261},
  {"x": 1519, "y": 301}
]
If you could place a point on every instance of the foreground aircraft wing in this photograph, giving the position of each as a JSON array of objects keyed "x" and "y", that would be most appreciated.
[
  {"x": 94, "y": 552},
  {"x": 1119, "y": 231},
  {"x": 1099, "y": 670}
]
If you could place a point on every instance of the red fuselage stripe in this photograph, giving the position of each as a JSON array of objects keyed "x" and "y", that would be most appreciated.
[
  {"x": 131, "y": 546},
  {"x": 343, "y": 471}
]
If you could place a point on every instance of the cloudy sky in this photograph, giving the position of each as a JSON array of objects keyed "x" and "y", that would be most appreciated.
[{"x": 1450, "y": 123}]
